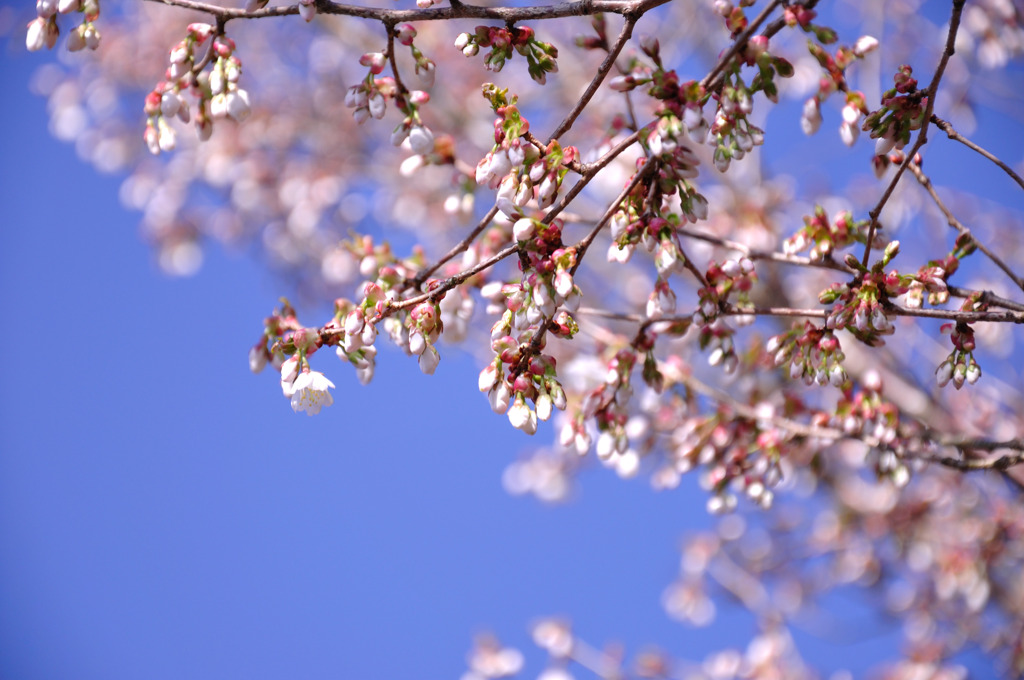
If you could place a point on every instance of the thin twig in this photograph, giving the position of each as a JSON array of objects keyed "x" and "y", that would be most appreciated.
[
  {"x": 956, "y": 224},
  {"x": 595, "y": 83},
  {"x": 457, "y": 249},
  {"x": 987, "y": 297},
  {"x": 946, "y": 127},
  {"x": 771, "y": 255},
  {"x": 739, "y": 43},
  {"x": 455, "y": 11},
  {"x": 922, "y": 136}
]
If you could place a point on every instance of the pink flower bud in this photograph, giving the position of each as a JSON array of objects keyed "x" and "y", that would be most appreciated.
[
  {"x": 169, "y": 104},
  {"x": 810, "y": 121},
  {"x": 289, "y": 372},
  {"x": 258, "y": 358},
  {"x": 76, "y": 40},
  {"x": 498, "y": 396},
  {"x": 563, "y": 283},
  {"x": 622, "y": 83},
  {"x": 36, "y": 37},
  {"x": 865, "y": 45},
  {"x": 421, "y": 139},
  {"x": 523, "y": 229},
  {"x": 377, "y": 105},
  {"x": 519, "y": 414},
  {"x": 849, "y": 133},
  {"x": 375, "y": 61},
  {"x": 307, "y": 10},
  {"x": 429, "y": 360},
  {"x": 167, "y": 139},
  {"x": 405, "y": 33},
  {"x": 46, "y": 8},
  {"x": 547, "y": 191},
  {"x": 462, "y": 40},
  {"x": 756, "y": 46}
]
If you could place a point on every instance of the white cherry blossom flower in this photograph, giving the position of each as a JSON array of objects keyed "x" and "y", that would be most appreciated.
[{"x": 310, "y": 392}]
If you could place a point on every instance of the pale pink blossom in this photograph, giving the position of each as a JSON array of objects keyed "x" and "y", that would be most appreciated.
[{"x": 310, "y": 392}]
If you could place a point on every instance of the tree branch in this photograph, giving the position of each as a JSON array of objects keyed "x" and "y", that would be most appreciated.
[
  {"x": 953, "y": 134},
  {"x": 922, "y": 136},
  {"x": 595, "y": 83},
  {"x": 955, "y": 223}
]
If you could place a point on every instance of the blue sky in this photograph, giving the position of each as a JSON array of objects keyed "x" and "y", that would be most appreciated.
[{"x": 165, "y": 514}]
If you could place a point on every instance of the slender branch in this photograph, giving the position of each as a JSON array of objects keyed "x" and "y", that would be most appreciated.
[
  {"x": 922, "y": 136},
  {"x": 739, "y": 43},
  {"x": 390, "y": 26},
  {"x": 595, "y": 83},
  {"x": 457, "y": 249},
  {"x": 951, "y": 314},
  {"x": 987, "y": 297},
  {"x": 970, "y": 464},
  {"x": 450, "y": 282},
  {"x": 455, "y": 11},
  {"x": 955, "y": 223},
  {"x": 954, "y": 135},
  {"x": 585, "y": 242},
  {"x": 771, "y": 255}
]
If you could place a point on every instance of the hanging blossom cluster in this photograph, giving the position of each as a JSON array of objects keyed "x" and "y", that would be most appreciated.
[
  {"x": 44, "y": 30},
  {"x": 713, "y": 333}
]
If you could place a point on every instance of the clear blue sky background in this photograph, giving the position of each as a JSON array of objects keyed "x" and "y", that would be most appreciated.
[{"x": 165, "y": 514}]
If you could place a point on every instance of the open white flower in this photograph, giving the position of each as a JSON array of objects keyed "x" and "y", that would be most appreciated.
[{"x": 311, "y": 393}]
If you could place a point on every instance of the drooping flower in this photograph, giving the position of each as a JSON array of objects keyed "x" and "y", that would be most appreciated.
[{"x": 310, "y": 392}]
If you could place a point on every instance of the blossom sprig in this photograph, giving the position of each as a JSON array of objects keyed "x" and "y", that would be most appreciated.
[
  {"x": 734, "y": 15},
  {"x": 737, "y": 455},
  {"x": 217, "y": 90},
  {"x": 833, "y": 80},
  {"x": 423, "y": 67},
  {"x": 598, "y": 41},
  {"x": 824, "y": 236},
  {"x": 503, "y": 42},
  {"x": 902, "y": 112},
  {"x": 812, "y": 354},
  {"x": 606, "y": 406},
  {"x": 862, "y": 307},
  {"x": 732, "y": 133},
  {"x": 865, "y": 413},
  {"x": 518, "y": 166},
  {"x": 44, "y": 30},
  {"x": 960, "y": 366},
  {"x": 307, "y": 390},
  {"x": 368, "y": 98}
]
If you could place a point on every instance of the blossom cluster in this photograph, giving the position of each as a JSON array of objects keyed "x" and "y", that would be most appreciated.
[
  {"x": 216, "y": 90},
  {"x": 43, "y": 31},
  {"x": 503, "y": 42}
]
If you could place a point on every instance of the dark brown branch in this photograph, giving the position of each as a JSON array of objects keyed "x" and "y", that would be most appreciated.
[
  {"x": 955, "y": 223},
  {"x": 922, "y": 136},
  {"x": 602, "y": 71},
  {"x": 771, "y": 255},
  {"x": 954, "y": 135},
  {"x": 455, "y": 11},
  {"x": 457, "y": 249},
  {"x": 739, "y": 43},
  {"x": 987, "y": 297}
]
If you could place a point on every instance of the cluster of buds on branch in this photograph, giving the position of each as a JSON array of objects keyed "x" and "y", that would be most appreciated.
[
  {"x": 824, "y": 236},
  {"x": 833, "y": 79},
  {"x": 43, "y": 31},
  {"x": 216, "y": 90},
  {"x": 540, "y": 56},
  {"x": 813, "y": 354}
]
